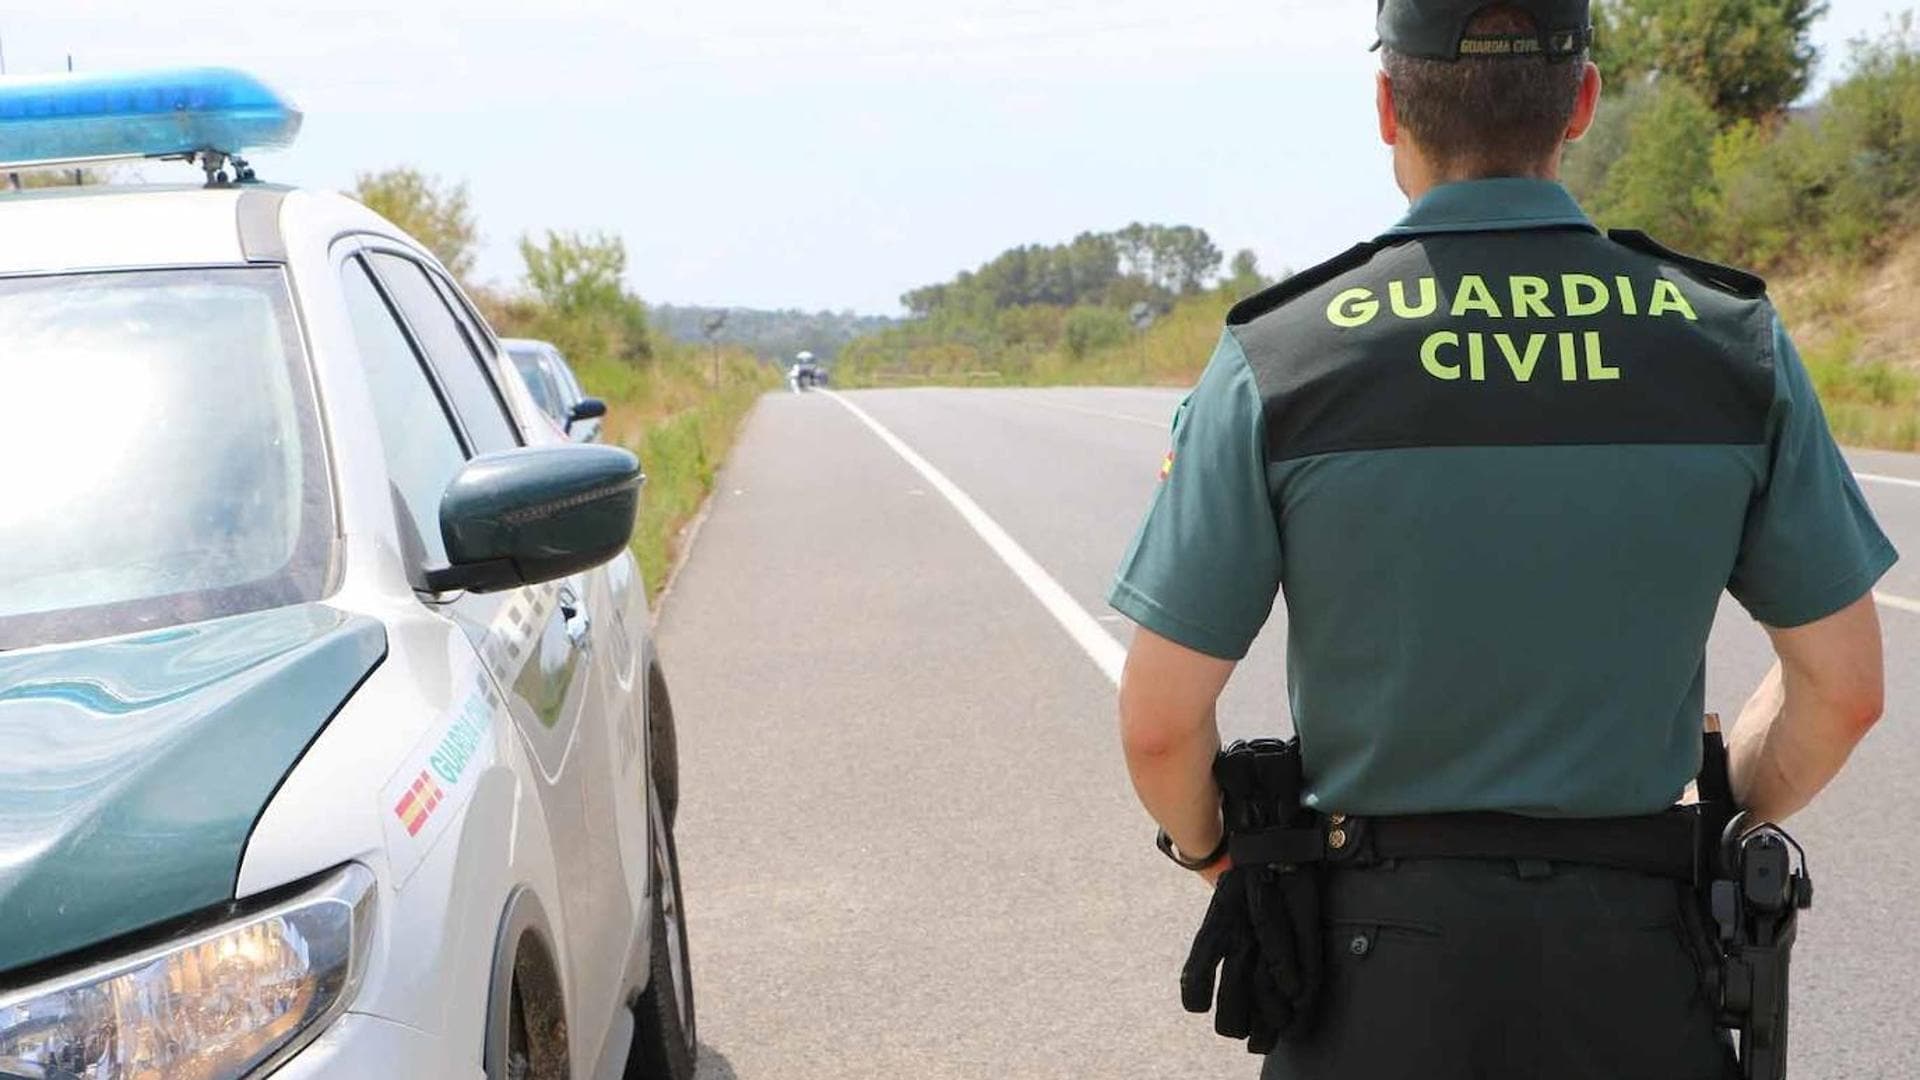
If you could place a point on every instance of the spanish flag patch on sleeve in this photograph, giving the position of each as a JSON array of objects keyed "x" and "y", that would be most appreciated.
[{"x": 1166, "y": 467}]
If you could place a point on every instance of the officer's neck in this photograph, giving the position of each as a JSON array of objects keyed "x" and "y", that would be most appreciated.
[{"x": 1417, "y": 174}]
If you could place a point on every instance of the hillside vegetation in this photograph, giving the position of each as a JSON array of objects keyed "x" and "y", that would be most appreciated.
[
  {"x": 1064, "y": 313},
  {"x": 1699, "y": 144},
  {"x": 774, "y": 336},
  {"x": 676, "y": 406}
]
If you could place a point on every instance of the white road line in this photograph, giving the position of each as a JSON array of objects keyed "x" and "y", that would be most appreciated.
[
  {"x": 1898, "y": 603},
  {"x": 1106, "y": 653},
  {"x": 1896, "y": 481}
]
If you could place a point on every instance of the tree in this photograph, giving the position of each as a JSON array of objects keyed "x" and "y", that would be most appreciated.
[
  {"x": 573, "y": 272},
  {"x": 1749, "y": 59},
  {"x": 1184, "y": 258},
  {"x": 1243, "y": 276},
  {"x": 1665, "y": 178},
  {"x": 1090, "y": 329},
  {"x": 577, "y": 278},
  {"x": 435, "y": 213}
]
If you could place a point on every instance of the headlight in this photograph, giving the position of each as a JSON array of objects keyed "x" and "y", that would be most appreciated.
[{"x": 218, "y": 1005}]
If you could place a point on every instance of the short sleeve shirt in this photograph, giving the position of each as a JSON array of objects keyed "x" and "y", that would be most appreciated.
[{"x": 1501, "y": 472}]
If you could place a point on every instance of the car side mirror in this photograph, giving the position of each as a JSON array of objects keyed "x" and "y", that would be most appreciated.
[
  {"x": 590, "y": 408},
  {"x": 522, "y": 517}
]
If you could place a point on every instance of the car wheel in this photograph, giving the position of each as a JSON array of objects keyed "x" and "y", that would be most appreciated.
[
  {"x": 536, "y": 1037},
  {"x": 665, "y": 1045},
  {"x": 664, "y": 744}
]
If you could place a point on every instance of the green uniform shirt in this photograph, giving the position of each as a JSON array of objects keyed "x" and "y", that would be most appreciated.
[{"x": 1502, "y": 468}]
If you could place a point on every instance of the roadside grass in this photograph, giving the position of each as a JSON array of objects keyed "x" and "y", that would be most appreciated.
[
  {"x": 1872, "y": 403},
  {"x": 669, "y": 413}
]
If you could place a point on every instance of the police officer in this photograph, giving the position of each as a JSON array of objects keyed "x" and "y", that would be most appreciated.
[{"x": 1502, "y": 466}]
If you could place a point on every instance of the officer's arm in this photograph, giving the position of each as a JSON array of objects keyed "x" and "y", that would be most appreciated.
[
  {"x": 1815, "y": 706},
  {"x": 1167, "y": 730}
]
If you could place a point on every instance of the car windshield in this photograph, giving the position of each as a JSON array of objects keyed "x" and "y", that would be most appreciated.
[{"x": 164, "y": 462}]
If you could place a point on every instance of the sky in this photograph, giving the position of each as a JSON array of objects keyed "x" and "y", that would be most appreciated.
[{"x": 819, "y": 154}]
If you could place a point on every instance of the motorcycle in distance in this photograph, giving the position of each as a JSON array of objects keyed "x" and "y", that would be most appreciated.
[{"x": 805, "y": 373}]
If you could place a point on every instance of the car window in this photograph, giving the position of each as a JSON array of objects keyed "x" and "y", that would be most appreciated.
[
  {"x": 538, "y": 384},
  {"x": 423, "y": 453},
  {"x": 563, "y": 388},
  {"x": 483, "y": 340},
  {"x": 182, "y": 476},
  {"x": 562, "y": 404},
  {"x": 475, "y": 400},
  {"x": 566, "y": 376}
]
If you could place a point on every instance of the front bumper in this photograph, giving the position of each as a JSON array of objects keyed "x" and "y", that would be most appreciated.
[{"x": 362, "y": 1047}]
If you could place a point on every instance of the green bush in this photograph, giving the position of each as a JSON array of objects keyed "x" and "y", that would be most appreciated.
[
  {"x": 1750, "y": 207},
  {"x": 1590, "y": 160},
  {"x": 1666, "y": 170},
  {"x": 1871, "y": 128},
  {"x": 1090, "y": 329}
]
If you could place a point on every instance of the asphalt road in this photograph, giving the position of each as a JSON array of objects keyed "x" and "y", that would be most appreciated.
[{"x": 908, "y": 843}]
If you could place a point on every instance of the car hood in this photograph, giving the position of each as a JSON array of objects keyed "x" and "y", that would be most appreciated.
[{"x": 132, "y": 770}]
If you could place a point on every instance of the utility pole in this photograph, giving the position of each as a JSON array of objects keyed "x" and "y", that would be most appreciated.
[
  {"x": 1142, "y": 317},
  {"x": 714, "y": 324}
]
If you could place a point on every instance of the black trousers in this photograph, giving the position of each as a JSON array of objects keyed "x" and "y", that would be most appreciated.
[{"x": 1470, "y": 970}]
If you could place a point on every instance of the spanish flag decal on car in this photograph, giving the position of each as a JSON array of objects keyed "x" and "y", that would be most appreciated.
[{"x": 416, "y": 806}]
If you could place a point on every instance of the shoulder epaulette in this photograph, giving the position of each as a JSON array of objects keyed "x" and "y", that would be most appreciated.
[
  {"x": 1269, "y": 300},
  {"x": 1725, "y": 278}
]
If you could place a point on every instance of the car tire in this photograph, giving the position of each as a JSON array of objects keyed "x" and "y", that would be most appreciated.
[
  {"x": 663, "y": 744},
  {"x": 665, "y": 1039}
]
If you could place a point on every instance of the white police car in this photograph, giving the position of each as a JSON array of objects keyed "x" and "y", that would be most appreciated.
[{"x": 332, "y": 740}]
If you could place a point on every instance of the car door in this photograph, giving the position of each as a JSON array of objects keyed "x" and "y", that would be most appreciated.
[{"x": 542, "y": 643}]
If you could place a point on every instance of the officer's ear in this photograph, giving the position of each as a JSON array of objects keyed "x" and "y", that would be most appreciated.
[
  {"x": 1586, "y": 105},
  {"x": 1383, "y": 101}
]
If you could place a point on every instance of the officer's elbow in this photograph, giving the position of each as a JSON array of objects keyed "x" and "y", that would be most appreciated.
[
  {"x": 1150, "y": 739},
  {"x": 1862, "y": 709}
]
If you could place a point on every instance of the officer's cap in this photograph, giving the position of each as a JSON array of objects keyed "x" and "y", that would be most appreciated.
[{"x": 1437, "y": 29}]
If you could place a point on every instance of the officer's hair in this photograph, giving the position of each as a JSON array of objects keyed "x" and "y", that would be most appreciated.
[{"x": 1487, "y": 116}]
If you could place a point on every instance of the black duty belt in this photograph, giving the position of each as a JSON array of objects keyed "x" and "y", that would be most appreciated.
[{"x": 1663, "y": 844}]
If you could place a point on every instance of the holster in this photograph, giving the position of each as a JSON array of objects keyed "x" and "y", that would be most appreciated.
[
  {"x": 1263, "y": 931},
  {"x": 1750, "y": 889}
]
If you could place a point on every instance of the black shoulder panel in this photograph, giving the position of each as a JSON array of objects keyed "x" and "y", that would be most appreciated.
[
  {"x": 1270, "y": 300},
  {"x": 1725, "y": 278}
]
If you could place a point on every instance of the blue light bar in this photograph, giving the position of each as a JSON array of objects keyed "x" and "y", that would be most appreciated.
[{"x": 64, "y": 118}]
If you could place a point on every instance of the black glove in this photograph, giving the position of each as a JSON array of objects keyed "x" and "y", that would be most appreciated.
[{"x": 1256, "y": 961}]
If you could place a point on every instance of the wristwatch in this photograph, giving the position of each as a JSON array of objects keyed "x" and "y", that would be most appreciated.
[{"x": 1208, "y": 862}]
